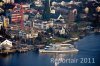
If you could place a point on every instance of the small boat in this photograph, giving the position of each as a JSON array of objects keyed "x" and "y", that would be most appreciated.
[
  {"x": 47, "y": 46},
  {"x": 75, "y": 39},
  {"x": 59, "y": 48}
]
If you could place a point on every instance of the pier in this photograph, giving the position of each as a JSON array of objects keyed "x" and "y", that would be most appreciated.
[
  {"x": 25, "y": 48},
  {"x": 22, "y": 48},
  {"x": 7, "y": 51}
]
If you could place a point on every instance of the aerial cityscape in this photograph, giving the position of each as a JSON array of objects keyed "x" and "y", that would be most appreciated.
[{"x": 49, "y": 32}]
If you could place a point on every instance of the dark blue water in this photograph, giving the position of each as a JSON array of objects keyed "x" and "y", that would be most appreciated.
[{"x": 89, "y": 47}]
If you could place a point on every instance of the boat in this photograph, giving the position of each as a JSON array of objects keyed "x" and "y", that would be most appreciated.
[
  {"x": 59, "y": 48},
  {"x": 75, "y": 39}
]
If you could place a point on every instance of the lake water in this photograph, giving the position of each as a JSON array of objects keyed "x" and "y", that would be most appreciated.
[{"x": 88, "y": 55}]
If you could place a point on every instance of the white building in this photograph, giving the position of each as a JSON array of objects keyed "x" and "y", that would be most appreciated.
[
  {"x": 25, "y": 5},
  {"x": 6, "y": 44},
  {"x": 1, "y": 21},
  {"x": 62, "y": 31},
  {"x": 38, "y": 3},
  {"x": 9, "y": 1},
  {"x": 1, "y": 24},
  {"x": 60, "y": 17},
  {"x": 25, "y": 17},
  {"x": 42, "y": 24}
]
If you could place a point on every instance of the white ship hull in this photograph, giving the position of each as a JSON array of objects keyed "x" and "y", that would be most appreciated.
[
  {"x": 59, "y": 48},
  {"x": 53, "y": 51}
]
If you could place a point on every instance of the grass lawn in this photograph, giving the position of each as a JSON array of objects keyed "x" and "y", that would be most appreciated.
[{"x": 57, "y": 40}]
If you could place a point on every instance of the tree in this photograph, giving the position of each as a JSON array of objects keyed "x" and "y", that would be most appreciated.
[
  {"x": 3, "y": 33},
  {"x": 41, "y": 39},
  {"x": 50, "y": 30}
]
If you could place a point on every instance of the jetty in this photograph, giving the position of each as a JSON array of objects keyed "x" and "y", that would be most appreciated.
[
  {"x": 20, "y": 49},
  {"x": 7, "y": 51},
  {"x": 25, "y": 48}
]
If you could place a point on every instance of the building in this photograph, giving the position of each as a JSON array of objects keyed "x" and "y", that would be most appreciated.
[
  {"x": 6, "y": 44},
  {"x": 71, "y": 16},
  {"x": 60, "y": 17},
  {"x": 38, "y": 16},
  {"x": 19, "y": 15},
  {"x": 38, "y": 3},
  {"x": 25, "y": 17},
  {"x": 1, "y": 24},
  {"x": 1, "y": 10},
  {"x": 16, "y": 14},
  {"x": 1, "y": 21},
  {"x": 9, "y": 1},
  {"x": 62, "y": 31},
  {"x": 1, "y": 3},
  {"x": 6, "y": 22},
  {"x": 42, "y": 24}
]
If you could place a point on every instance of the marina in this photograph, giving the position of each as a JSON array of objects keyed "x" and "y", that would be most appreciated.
[
  {"x": 7, "y": 51},
  {"x": 37, "y": 59}
]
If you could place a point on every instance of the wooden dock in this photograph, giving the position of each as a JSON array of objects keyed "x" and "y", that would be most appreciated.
[
  {"x": 20, "y": 50},
  {"x": 7, "y": 51},
  {"x": 25, "y": 48}
]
